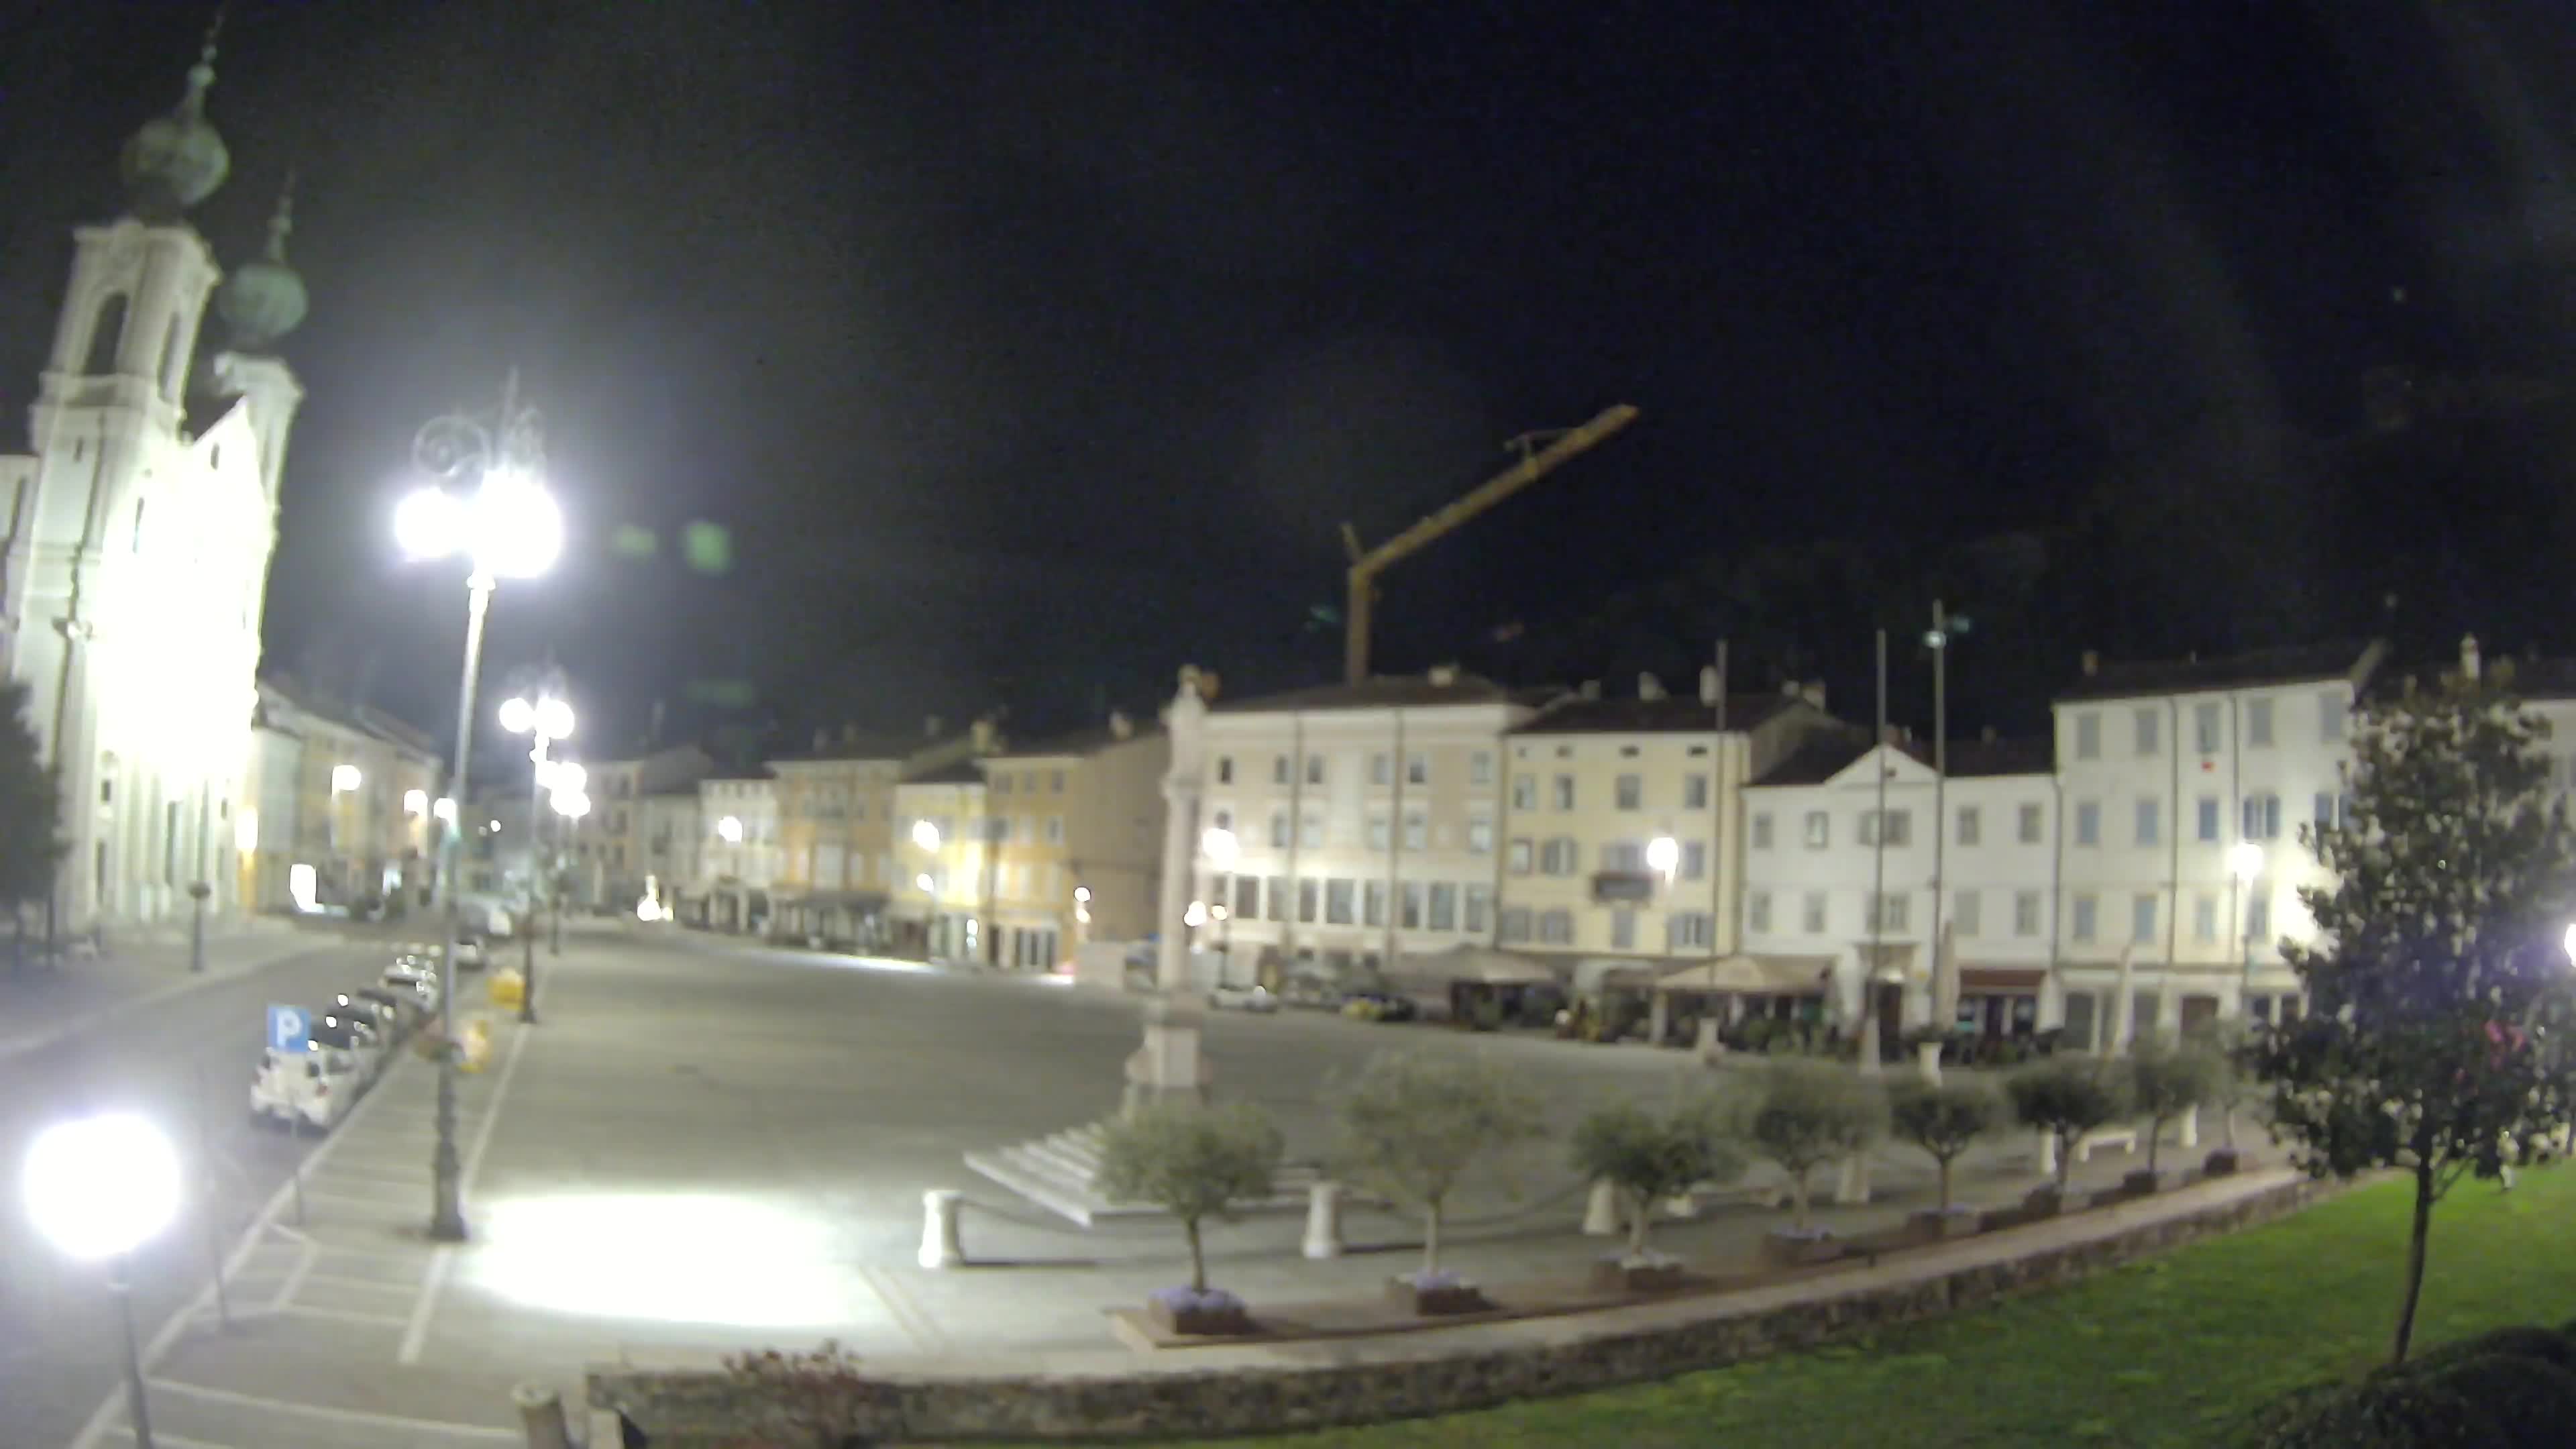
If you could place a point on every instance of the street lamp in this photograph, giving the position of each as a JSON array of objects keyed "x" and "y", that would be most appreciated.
[
  {"x": 548, "y": 718},
  {"x": 1222, "y": 850},
  {"x": 98, "y": 1188},
  {"x": 2245, "y": 866},
  {"x": 571, "y": 804},
  {"x": 925, "y": 835},
  {"x": 729, "y": 830},
  {"x": 1664, "y": 856},
  {"x": 508, "y": 528}
]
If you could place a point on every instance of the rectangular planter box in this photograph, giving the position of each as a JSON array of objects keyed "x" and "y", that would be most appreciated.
[
  {"x": 2221, "y": 1163},
  {"x": 1937, "y": 1226},
  {"x": 2044, "y": 1202},
  {"x": 1795, "y": 1252},
  {"x": 2142, "y": 1183},
  {"x": 1433, "y": 1302},
  {"x": 1211, "y": 1323},
  {"x": 1610, "y": 1275}
]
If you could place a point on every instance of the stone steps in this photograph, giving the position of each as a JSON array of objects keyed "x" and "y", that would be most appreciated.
[{"x": 1055, "y": 1172}]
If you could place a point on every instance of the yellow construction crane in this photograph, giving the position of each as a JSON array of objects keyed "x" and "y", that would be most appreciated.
[{"x": 1367, "y": 564}]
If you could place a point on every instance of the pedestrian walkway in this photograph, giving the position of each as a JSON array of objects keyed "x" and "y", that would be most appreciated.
[{"x": 43, "y": 1003}]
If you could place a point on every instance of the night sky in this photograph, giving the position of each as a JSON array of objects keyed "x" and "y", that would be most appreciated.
[{"x": 1027, "y": 350}]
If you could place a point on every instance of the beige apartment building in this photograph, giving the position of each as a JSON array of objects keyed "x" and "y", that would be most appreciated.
[
  {"x": 1623, "y": 822},
  {"x": 944, "y": 852},
  {"x": 1077, "y": 825},
  {"x": 836, "y": 824},
  {"x": 1366, "y": 821},
  {"x": 339, "y": 803},
  {"x": 612, "y": 855}
]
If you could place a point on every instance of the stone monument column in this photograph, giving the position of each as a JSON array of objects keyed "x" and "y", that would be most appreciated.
[{"x": 1169, "y": 1064}]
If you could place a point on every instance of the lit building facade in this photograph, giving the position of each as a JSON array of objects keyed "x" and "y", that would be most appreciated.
[
  {"x": 345, "y": 791},
  {"x": 1078, "y": 826}
]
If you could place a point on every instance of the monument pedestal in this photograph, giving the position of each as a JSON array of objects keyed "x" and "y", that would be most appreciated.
[{"x": 1169, "y": 1064}]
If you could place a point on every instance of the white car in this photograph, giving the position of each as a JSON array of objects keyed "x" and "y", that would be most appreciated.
[
  {"x": 362, "y": 1040},
  {"x": 315, "y": 1088},
  {"x": 415, "y": 975},
  {"x": 1243, "y": 998}
]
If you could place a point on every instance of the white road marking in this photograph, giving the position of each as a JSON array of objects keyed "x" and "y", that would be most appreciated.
[
  {"x": 373, "y": 1285},
  {"x": 339, "y": 1315},
  {"x": 174, "y": 1441},
  {"x": 295, "y": 1277},
  {"x": 425, "y": 1307},
  {"x": 478, "y": 1432}
]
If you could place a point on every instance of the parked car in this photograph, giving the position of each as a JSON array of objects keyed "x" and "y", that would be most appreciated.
[
  {"x": 359, "y": 1039},
  {"x": 375, "y": 1007},
  {"x": 1242, "y": 998},
  {"x": 1379, "y": 1006},
  {"x": 406, "y": 1004},
  {"x": 415, "y": 974},
  {"x": 1305, "y": 988},
  {"x": 315, "y": 1088}
]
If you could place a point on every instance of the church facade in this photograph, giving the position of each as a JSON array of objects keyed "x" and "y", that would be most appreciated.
[{"x": 138, "y": 532}]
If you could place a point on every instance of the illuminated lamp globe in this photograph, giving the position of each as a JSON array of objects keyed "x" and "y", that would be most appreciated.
[
  {"x": 925, "y": 835},
  {"x": 429, "y": 523},
  {"x": 572, "y": 806},
  {"x": 515, "y": 529},
  {"x": 554, "y": 718},
  {"x": 1663, "y": 853},
  {"x": 97, "y": 1187},
  {"x": 517, "y": 715},
  {"x": 2245, "y": 860}
]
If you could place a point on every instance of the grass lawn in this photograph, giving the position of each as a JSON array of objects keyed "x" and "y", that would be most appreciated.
[{"x": 2171, "y": 1351}]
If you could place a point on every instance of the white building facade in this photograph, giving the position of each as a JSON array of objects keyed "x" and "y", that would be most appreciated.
[
  {"x": 738, "y": 851},
  {"x": 139, "y": 530}
]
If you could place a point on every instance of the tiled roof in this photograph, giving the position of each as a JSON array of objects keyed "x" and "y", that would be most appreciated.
[
  {"x": 1822, "y": 758},
  {"x": 1979, "y": 759},
  {"x": 866, "y": 747},
  {"x": 1404, "y": 691},
  {"x": 1076, "y": 744},
  {"x": 1816, "y": 761},
  {"x": 1651, "y": 716},
  {"x": 954, "y": 772},
  {"x": 364, "y": 719},
  {"x": 2300, "y": 664}
]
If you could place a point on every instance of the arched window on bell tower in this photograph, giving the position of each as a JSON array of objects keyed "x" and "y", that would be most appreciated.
[
  {"x": 170, "y": 359},
  {"x": 106, "y": 330}
]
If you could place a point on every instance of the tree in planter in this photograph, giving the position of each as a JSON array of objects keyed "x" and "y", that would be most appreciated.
[
  {"x": 2164, "y": 1084},
  {"x": 1808, "y": 1115},
  {"x": 31, "y": 843},
  {"x": 1191, "y": 1161},
  {"x": 2067, "y": 1097},
  {"x": 2231, "y": 1047},
  {"x": 1411, "y": 1124},
  {"x": 2439, "y": 985},
  {"x": 1945, "y": 1121},
  {"x": 1649, "y": 1158}
]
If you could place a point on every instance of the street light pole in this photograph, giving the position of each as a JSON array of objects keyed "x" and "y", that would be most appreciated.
[
  {"x": 138, "y": 1407},
  {"x": 446, "y": 1191}
]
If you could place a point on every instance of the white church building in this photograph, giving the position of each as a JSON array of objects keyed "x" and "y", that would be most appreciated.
[{"x": 138, "y": 531}]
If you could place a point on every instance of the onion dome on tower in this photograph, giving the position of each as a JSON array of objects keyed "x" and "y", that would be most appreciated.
[
  {"x": 177, "y": 160},
  {"x": 264, "y": 300}
]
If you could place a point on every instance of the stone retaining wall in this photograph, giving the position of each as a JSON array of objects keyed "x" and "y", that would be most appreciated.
[{"x": 1214, "y": 1392}]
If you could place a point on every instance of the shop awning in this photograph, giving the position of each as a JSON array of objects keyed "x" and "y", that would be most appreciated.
[
  {"x": 1477, "y": 964},
  {"x": 1751, "y": 975},
  {"x": 837, "y": 900},
  {"x": 2018, "y": 980}
]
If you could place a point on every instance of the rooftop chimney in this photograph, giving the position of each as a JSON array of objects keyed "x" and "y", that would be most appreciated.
[
  {"x": 1120, "y": 726},
  {"x": 822, "y": 741},
  {"x": 2092, "y": 663},
  {"x": 1649, "y": 687},
  {"x": 1708, "y": 684},
  {"x": 1592, "y": 689},
  {"x": 849, "y": 733},
  {"x": 930, "y": 727},
  {"x": 1894, "y": 737},
  {"x": 983, "y": 735},
  {"x": 2469, "y": 657},
  {"x": 1443, "y": 675}
]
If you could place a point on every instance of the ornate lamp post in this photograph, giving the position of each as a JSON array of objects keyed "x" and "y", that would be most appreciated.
[
  {"x": 548, "y": 718},
  {"x": 508, "y": 527}
]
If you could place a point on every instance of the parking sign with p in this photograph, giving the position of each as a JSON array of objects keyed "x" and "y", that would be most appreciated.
[{"x": 290, "y": 1028}]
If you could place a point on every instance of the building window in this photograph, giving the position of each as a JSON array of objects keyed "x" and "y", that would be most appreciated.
[
  {"x": 1694, "y": 860},
  {"x": 1247, "y": 897},
  {"x": 2088, "y": 822},
  {"x": 1279, "y": 830},
  {"x": 1811, "y": 913},
  {"x": 1970, "y": 827},
  {"x": 2258, "y": 920},
  {"x": 2088, "y": 736},
  {"x": 1416, "y": 834},
  {"x": 1694, "y": 792},
  {"x": 1480, "y": 836},
  {"x": 1757, "y": 912},
  {"x": 1557, "y": 857},
  {"x": 1565, "y": 792},
  {"x": 2258, "y": 723},
  {"x": 1480, "y": 770},
  {"x": 2204, "y": 918},
  {"x": 1412, "y": 898},
  {"x": 2262, "y": 816},
  {"x": 1512, "y": 926},
  {"x": 1310, "y": 832},
  {"x": 2086, "y": 909},
  {"x": 1277, "y": 899},
  {"x": 1556, "y": 928},
  {"x": 1897, "y": 827},
  {"x": 1623, "y": 855},
  {"x": 1001, "y": 783},
  {"x": 2142, "y": 919},
  {"x": 1417, "y": 769},
  {"x": 2330, "y": 716},
  {"x": 1820, "y": 829},
  {"x": 2150, "y": 822},
  {"x": 1444, "y": 906},
  {"x": 1884, "y": 912},
  {"x": 1378, "y": 839},
  {"x": 1690, "y": 931},
  {"x": 1380, "y": 771},
  {"x": 1307, "y": 893},
  {"x": 1517, "y": 858},
  {"x": 2029, "y": 824},
  {"x": 2206, "y": 809},
  {"x": 1373, "y": 903},
  {"x": 1623, "y": 929},
  {"x": 1630, "y": 793},
  {"x": 2025, "y": 913},
  {"x": 2150, "y": 729},
  {"x": 2204, "y": 728},
  {"x": 1479, "y": 904},
  {"x": 1224, "y": 819},
  {"x": 1225, "y": 769},
  {"x": 1762, "y": 831},
  {"x": 1055, "y": 830},
  {"x": 1525, "y": 792},
  {"x": 1278, "y": 769},
  {"x": 1966, "y": 912},
  {"x": 1314, "y": 769}
]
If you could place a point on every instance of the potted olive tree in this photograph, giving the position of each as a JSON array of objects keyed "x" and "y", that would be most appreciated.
[
  {"x": 1648, "y": 1159},
  {"x": 2231, "y": 1086},
  {"x": 1410, "y": 1126},
  {"x": 1194, "y": 1162},
  {"x": 2166, "y": 1084},
  {"x": 1808, "y": 1115},
  {"x": 2066, "y": 1097},
  {"x": 1945, "y": 1119}
]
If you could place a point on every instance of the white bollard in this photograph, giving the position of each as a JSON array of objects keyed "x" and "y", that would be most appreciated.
[
  {"x": 1927, "y": 1060},
  {"x": 1854, "y": 1184},
  {"x": 2190, "y": 1128},
  {"x": 1324, "y": 1220},
  {"x": 541, "y": 1416},
  {"x": 2048, "y": 1154},
  {"x": 1601, "y": 1215},
  {"x": 939, "y": 1245}
]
